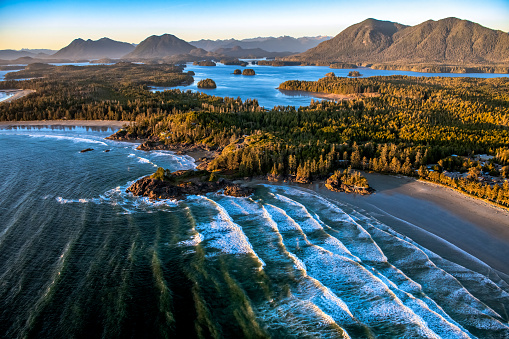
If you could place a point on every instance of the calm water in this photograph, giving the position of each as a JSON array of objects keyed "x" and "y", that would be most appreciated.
[
  {"x": 79, "y": 257},
  {"x": 4, "y": 96},
  {"x": 263, "y": 86}
]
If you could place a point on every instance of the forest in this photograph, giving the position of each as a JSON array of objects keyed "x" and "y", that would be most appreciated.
[{"x": 415, "y": 126}]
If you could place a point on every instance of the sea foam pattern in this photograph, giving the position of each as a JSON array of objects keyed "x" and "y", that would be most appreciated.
[
  {"x": 348, "y": 273},
  {"x": 345, "y": 275},
  {"x": 411, "y": 285}
]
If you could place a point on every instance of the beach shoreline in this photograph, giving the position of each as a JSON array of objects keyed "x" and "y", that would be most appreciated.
[
  {"x": 78, "y": 123},
  {"x": 329, "y": 96},
  {"x": 462, "y": 229},
  {"x": 16, "y": 94}
]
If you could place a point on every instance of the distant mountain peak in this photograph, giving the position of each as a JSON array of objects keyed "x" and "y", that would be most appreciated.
[
  {"x": 449, "y": 40},
  {"x": 94, "y": 49},
  {"x": 283, "y": 43},
  {"x": 160, "y": 46}
]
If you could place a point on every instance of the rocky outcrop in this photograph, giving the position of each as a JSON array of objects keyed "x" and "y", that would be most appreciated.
[
  {"x": 162, "y": 189},
  {"x": 86, "y": 150},
  {"x": 204, "y": 63},
  {"x": 123, "y": 135},
  {"x": 235, "y": 190},
  {"x": 337, "y": 186},
  {"x": 206, "y": 83},
  {"x": 275, "y": 177},
  {"x": 248, "y": 71}
]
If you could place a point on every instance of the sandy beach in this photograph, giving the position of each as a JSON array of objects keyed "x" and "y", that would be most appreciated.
[
  {"x": 453, "y": 225},
  {"x": 16, "y": 94},
  {"x": 329, "y": 96},
  {"x": 82, "y": 123}
]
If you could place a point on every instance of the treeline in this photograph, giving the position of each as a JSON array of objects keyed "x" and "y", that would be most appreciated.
[
  {"x": 333, "y": 85},
  {"x": 108, "y": 92},
  {"x": 414, "y": 122},
  {"x": 498, "y": 193},
  {"x": 438, "y": 68}
]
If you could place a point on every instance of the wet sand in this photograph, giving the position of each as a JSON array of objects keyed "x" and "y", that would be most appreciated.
[
  {"x": 453, "y": 225},
  {"x": 82, "y": 123}
]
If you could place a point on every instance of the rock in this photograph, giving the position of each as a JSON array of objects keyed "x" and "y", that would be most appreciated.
[
  {"x": 237, "y": 72},
  {"x": 182, "y": 183},
  {"x": 235, "y": 190},
  {"x": 123, "y": 135},
  {"x": 302, "y": 180},
  {"x": 86, "y": 150},
  {"x": 106, "y": 151},
  {"x": 275, "y": 178},
  {"x": 248, "y": 71},
  {"x": 204, "y": 63},
  {"x": 206, "y": 83}
]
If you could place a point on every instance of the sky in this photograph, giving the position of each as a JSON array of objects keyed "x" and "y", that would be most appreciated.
[{"x": 54, "y": 24}]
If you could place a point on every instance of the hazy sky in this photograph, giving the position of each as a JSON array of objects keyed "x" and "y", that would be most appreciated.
[{"x": 54, "y": 24}]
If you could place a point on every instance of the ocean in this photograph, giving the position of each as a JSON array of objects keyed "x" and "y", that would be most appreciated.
[{"x": 80, "y": 257}]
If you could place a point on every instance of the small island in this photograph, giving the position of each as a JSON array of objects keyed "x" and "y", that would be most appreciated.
[
  {"x": 206, "y": 83},
  {"x": 204, "y": 63},
  {"x": 237, "y": 72},
  {"x": 164, "y": 184},
  {"x": 354, "y": 74},
  {"x": 348, "y": 181},
  {"x": 248, "y": 71}
]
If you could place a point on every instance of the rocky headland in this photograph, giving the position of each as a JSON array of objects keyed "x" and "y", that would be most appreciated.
[{"x": 179, "y": 184}]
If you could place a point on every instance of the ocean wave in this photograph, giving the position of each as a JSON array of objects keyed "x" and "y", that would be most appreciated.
[
  {"x": 68, "y": 138},
  {"x": 126, "y": 201},
  {"x": 220, "y": 232}
]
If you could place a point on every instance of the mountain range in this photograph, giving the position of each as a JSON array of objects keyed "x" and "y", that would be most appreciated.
[
  {"x": 449, "y": 40},
  {"x": 269, "y": 44},
  {"x": 11, "y": 54}
]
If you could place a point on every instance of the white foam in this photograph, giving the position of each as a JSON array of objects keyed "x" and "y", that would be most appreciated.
[
  {"x": 221, "y": 232},
  {"x": 73, "y": 139},
  {"x": 195, "y": 240},
  {"x": 144, "y": 160}
]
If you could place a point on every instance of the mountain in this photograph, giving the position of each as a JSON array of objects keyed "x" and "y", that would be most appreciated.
[
  {"x": 449, "y": 40},
  {"x": 94, "y": 49},
  {"x": 10, "y": 54},
  {"x": 248, "y": 53},
  {"x": 160, "y": 46},
  {"x": 270, "y": 44}
]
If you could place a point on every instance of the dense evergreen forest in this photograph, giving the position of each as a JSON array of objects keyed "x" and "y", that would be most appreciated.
[
  {"x": 415, "y": 126},
  {"x": 109, "y": 92}
]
